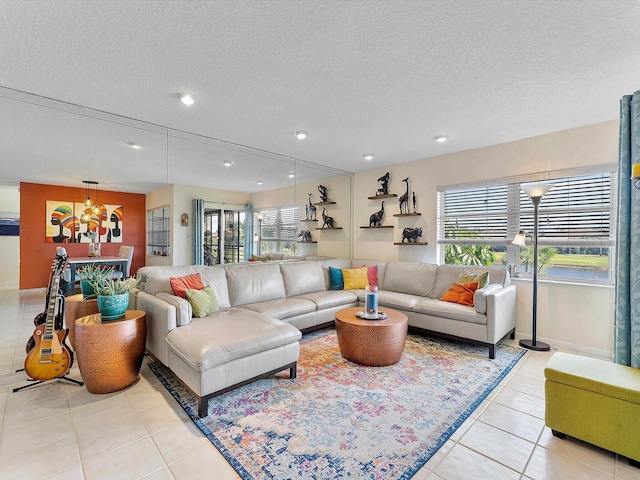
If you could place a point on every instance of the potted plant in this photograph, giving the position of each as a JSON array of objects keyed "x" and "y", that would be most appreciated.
[
  {"x": 90, "y": 274},
  {"x": 113, "y": 296}
]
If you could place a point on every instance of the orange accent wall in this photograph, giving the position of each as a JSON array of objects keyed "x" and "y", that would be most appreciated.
[{"x": 36, "y": 255}]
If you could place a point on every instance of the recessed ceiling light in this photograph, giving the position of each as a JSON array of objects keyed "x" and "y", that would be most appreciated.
[
  {"x": 134, "y": 145},
  {"x": 259, "y": 182},
  {"x": 300, "y": 134},
  {"x": 187, "y": 99},
  {"x": 369, "y": 156},
  {"x": 440, "y": 138},
  {"x": 227, "y": 163},
  {"x": 291, "y": 175}
]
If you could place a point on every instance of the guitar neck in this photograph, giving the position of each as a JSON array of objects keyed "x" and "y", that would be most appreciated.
[{"x": 51, "y": 307}]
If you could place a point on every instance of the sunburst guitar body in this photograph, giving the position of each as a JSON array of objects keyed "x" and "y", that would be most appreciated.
[{"x": 50, "y": 357}]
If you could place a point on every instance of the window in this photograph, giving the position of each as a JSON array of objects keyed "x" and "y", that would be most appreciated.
[
  {"x": 158, "y": 231},
  {"x": 279, "y": 230},
  {"x": 575, "y": 230}
]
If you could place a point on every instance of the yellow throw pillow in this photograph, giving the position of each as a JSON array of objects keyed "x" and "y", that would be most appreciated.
[
  {"x": 355, "y": 278},
  {"x": 482, "y": 278},
  {"x": 203, "y": 302}
]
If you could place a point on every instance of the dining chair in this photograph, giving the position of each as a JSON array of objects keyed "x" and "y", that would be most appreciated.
[{"x": 126, "y": 251}]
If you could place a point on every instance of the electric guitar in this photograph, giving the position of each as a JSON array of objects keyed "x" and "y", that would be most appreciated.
[
  {"x": 42, "y": 316},
  {"x": 50, "y": 357}
]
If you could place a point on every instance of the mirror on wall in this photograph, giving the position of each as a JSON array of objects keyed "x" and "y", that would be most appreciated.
[
  {"x": 45, "y": 141},
  {"x": 234, "y": 180}
]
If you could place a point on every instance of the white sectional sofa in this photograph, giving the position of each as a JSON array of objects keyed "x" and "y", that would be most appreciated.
[{"x": 264, "y": 307}]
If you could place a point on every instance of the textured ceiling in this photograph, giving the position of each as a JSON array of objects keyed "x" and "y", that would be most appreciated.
[{"x": 360, "y": 76}]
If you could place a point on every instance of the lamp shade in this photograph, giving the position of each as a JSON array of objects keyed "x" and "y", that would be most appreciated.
[
  {"x": 536, "y": 190},
  {"x": 520, "y": 239}
]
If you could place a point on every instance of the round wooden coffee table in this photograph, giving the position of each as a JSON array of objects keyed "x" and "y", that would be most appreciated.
[
  {"x": 110, "y": 353},
  {"x": 374, "y": 343}
]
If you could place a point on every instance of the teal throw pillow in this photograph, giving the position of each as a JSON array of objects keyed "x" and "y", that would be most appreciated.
[
  {"x": 336, "y": 280},
  {"x": 203, "y": 302}
]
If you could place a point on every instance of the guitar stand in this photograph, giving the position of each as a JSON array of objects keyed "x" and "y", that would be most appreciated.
[{"x": 38, "y": 382}]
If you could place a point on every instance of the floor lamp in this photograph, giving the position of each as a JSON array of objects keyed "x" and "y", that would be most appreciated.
[{"x": 535, "y": 191}]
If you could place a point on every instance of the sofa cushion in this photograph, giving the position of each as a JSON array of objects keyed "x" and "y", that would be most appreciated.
[
  {"x": 461, "y": 293},
  {"x": 203, "y": 302},
  {"x": 355, "y": 278},
  {"x": 379, "y": 270},
  {"x": 157, "y": 278},
  {"x": 215, "y": 278},
  {"x": 448, "y": 274},
  {"x": 412, "y": 278},
  {"x": 336, "y": 280},
  {"x": 282, "y": 308},
  {"x": 335, "y": 263},
  {"x": 179, "y": 285},
  {"x": 401, "y": 301},
  {"x": 330, "y": 298},
  {"x": 455, "y": 311},
  {"x": 467, "y": 277},
  {"x": 302, "y": 277},
  {"x": 254, "y": 283},
  {"x": 228, "y": 335}
]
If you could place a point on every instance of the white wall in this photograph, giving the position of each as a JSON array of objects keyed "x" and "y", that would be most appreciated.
[
  {"x": 578, "y": 317},
  {"x": 9, "y": 245}
]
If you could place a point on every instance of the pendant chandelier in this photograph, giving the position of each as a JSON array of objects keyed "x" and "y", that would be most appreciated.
[{"x": 88, "y": 203}]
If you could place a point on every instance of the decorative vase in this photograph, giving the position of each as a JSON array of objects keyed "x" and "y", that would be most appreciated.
[{"x": 112, "y": 307}]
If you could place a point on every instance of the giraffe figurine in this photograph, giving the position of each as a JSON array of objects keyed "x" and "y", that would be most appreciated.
[{"x": 404, "y": 199}]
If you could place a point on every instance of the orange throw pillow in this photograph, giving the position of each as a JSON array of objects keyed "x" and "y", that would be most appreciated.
[
  {"x": 461, "y": 293},
  {"x": 180, "y": 284}
]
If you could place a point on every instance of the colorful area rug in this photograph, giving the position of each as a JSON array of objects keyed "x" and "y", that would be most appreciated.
[{"x": 342, "y": 420}]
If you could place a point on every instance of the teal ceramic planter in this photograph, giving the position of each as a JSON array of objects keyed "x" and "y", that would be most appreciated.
[
  {"x": 113, "y": 307},
  {"x": 87, "y": 289}
]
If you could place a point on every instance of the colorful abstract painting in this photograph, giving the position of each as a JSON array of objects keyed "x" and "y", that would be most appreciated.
[{"x": 72, "y": 222}]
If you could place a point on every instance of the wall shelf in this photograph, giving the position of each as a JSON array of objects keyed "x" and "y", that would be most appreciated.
[
  {"x": 313, "y": 241},
  {"x": 324, "y": 203},
  {"x": 381, "y": 226},
  {"x": 410, "y": 243},
  {"x": 414, "y": 214},
  {"x": 303, "y": 220},
  {"x": 388, "y": 195},
  {"x": 329, "y": 228}
]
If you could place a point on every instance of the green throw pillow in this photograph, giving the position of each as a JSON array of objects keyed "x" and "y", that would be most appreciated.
[
  {"x": 482, "y": 278},
  {"x": 203, "y": 302}
]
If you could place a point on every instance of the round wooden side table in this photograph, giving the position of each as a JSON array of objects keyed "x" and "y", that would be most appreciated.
[
  {"x": 374, "y": 343},
  {"x": 110, "y": 353},
  {"x": 75, "y": 307}
]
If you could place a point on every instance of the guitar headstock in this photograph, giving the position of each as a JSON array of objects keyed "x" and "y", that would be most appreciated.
[{"x": 60, "y": 263}]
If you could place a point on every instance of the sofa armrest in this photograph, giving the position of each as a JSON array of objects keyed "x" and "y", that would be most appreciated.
[
  {"x": 184, "y": 312},
  {"x": 480, "y": 296},
  {"x": 501, "y": 313},
  {"x": 161, "y": 319}
]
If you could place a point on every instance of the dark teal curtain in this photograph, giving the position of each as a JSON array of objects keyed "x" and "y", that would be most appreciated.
[
  {"x": 198, "y": 234},
  {"x": 248, "y": 231},
  {"x": 627, "y": 283}
]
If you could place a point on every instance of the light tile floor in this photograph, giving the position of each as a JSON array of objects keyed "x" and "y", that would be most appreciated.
[{"x": 60, "y": 431}]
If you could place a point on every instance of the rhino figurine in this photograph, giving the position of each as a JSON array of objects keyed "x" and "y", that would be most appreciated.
[{"x": 411, "y": 234}]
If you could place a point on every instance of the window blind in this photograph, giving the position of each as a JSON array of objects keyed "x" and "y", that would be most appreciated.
[{"x": 576, "y": 211}]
